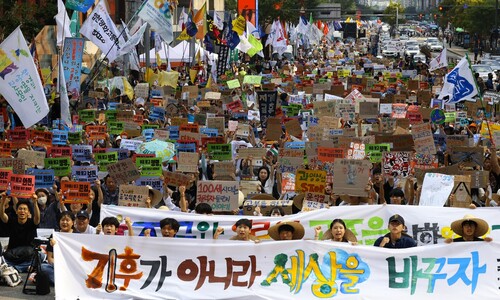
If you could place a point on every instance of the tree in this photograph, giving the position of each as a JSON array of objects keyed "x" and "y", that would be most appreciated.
[
  {"x": 286, "y": 10},
  {"x": 390, "y": 11}
]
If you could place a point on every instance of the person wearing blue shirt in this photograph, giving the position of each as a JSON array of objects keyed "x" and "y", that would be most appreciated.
[{"x": 396, "y": 238}]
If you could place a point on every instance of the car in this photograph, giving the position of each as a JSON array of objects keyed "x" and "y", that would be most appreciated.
[
  {"x": 494, "y": 64},
  {"x": 483, "y": 71},
  {"x": 419, "y": 57},
  {"x": 431, "y": 40},
  {"x": 390, "y": 52},
  {"x": 412, "y": 50},
  {"x": 435, "y": 46}
]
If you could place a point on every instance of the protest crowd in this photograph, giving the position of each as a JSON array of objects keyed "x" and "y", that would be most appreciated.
[{"x": 270, "y": 134}]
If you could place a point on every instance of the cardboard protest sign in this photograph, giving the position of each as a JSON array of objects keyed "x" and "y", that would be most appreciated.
[
  {"x": 308, "y": 205},
  {"x": 75, "y": 192},
  {"x": 253, "y": 152},
  {"x": 293, "y": 128},
  {"x": 400, "y": 142},
  {"x": 351, "y": 176},
  {"x": 224, "y": 170},
  {"x": 462, "y": 191},
  {"x": 396, "y": 163},
  {"x": 368, "y": 109},
  {"x": 274, "y": 130},
  {"x": 187, "y": 162},
  {"x": 32, "y": 158},
  {"x": 14, "y": 164},
  {"x": 469, "y": 156},
  {"x": 217, "y": 123},
  {"x": 423, "y": 138},
  {"x": 22, "y": 186},
  {"x": 124, "y": 171},
  {"x": 356, "y": 151},
  {"x": 132, "y": 195},
  {"x": 149, "y": 166},
  {"x": 436, "y": 189},
  {"x": 313, "y": 181},
  {"x": 327, "y": 154},
  {"x": 249, "y": 188},
  {"x": 266, "y": 206},
  {"x": 175, "y": 178},
  {"x": 221, "y": 195},
  {"x": 141, "y": 90},
  {"x": 479, "y": 179}
]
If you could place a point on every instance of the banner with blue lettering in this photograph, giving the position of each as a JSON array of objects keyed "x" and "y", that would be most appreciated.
[{"x": 44, "y": 179}]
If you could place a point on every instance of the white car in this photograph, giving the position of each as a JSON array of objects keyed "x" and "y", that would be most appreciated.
[
  {"x": 412, "y": 50},
  {"x": 419, "y": 57},
  {"x": 390, "y": 52},
  {"x": 435, "y": 46},
  {"x": 483, "y": 71}
]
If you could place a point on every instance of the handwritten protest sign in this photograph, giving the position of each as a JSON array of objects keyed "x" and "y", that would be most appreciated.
[
  {"x": 220, "y": 151},
  {"x": 350, "y": 177},
  {"x": 176, "y": 178},
  {"x": 75, "y": 192},
  {"x": 436, "y": 189},
  {"x": 221, "y": 195},
  {"x": 124, "y": 171},
  {"x": 32, "y": 158},
  {"x": 132, "y": 195},
  {"x": 224, "y": 170},
  {"x": 423, "y": 138},
  {"x": 187, "y": 162},
  {"x": 326, "y": 154},
  {"x": 308, "y": 205},
  {"x": 217, "y": 123},
  {"x": 249, "y": 187},
  {"x": 22, "y": 186},
  {"x": 266, "y": 206},
  {"x": 14, "y": 164},
  {"x": 84, "y": 173},
  {"x": 396, "y": 164},
  {"x": 233, "y": 84},
  {"x": 313, "y": 181}
]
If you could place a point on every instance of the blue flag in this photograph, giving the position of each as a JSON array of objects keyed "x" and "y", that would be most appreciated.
[
  {"x": 459, "y": 83},
  {"x": 79, "y": 5}
]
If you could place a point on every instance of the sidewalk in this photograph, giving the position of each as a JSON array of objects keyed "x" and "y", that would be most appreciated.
[{"x": 459, "y": 51}]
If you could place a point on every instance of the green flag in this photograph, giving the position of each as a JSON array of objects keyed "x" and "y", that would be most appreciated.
[
  {"x": 74, "y": 25},
  {"x": 256, "y": 45}
]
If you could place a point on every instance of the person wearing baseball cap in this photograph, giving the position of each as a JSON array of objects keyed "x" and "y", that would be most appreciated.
[{"x": 396, "y": 238}]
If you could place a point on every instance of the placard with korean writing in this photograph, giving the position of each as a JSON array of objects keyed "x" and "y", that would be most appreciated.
[
  {"x": 4, "y": 178},
  {"x": 84, "y": 173},
  {"x": 220, "y": 151},
  {"x": 350, "y": 177},
  {"x": 5, "y": 149},
  {"x": 105, "y": 159},
  {"x": 396, "y": 163},
  {"x": 187, "y": 162},
  {"x": 327, "y": 154},
  {"x": 82, "y": 152},
  {"x": 32, "y": 158},
  {"x": 374, "y": 151},
  {"x": 60, "y": 165},
  {"x": 124, "y": 171},
  {"x": 44, "y": 179},
  {"x": 59, "y": 151},
  {"x": 149, "y": 166},
  {"x": 423, "y": 138},
  {"x": 22, "y": 186},
  {"x": 221, "y": 195},
  {"x": 75, "y": 192},
  {"x": 436, "y": 189},
  {"x": 14, "y": 164},
  {"x": 176, "y": 178},
  {"x": 267, "y": 105},
  {"x": 313, "y": 181},
  {"x": 132, "y": 195}
]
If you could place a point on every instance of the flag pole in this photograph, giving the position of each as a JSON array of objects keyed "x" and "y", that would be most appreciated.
[
  {"x": 480, "y": 99},
  {"x": 117, "y": 39}
]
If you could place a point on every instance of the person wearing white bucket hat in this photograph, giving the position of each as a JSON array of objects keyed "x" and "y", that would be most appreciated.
[{"x": 470, "y": 229}]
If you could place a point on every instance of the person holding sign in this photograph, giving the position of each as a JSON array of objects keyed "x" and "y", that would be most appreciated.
[
  {"x": 470, "y": 229},
  {"x": 286, "y": 230},
  {"x": 337, "y": 232},
  {"x": 396, "y": 238},
  {"x": 22, "y": 232}
]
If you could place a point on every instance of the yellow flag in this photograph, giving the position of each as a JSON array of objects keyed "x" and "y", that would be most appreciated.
[
  {"x": 200, "y": 19},
  {"x": 158, "y": 59},
  {"x": 239, "y": 25},
  {"x": 192, "y": 74},
  {"x": 129, "y": 91},
  {"x": 168, "y": 79},
  {"x": 183, "y": 36},
  {"x": 209, "y": 82}
]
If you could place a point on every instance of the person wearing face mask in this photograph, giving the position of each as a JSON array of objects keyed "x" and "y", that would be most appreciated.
[{"x": 49, "y": 210}]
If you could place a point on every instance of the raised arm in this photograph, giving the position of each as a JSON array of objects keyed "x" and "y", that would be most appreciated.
[
  {"x": 3, "y": 216},
  {"x": 36, "y": 209}
]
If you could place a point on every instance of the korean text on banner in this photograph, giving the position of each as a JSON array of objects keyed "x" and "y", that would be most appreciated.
[
  {"x": 157, "y": 14},
  {"x": 72, "y": 64},
  {"x": 20, "y": 83}
]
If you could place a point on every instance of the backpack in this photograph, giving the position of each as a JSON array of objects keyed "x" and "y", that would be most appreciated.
[{"x": 10, "y": 275}]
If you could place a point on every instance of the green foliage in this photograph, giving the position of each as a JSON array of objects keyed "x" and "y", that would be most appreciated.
[
  {"x": 286, "y": 10},
  {"x": 390, "y": 11},
  {"x": 29, "y": 16},
  {"x": 477, "y": 17}
]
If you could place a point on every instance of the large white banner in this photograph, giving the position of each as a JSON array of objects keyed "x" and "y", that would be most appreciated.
[
  {"x": 118, "y": 267},
  {"x": 20, "y": 83},
  {"x": 157, "y": 14},
  {"x": 100, "y": 30},
  {"x": 427, "y": 225}
]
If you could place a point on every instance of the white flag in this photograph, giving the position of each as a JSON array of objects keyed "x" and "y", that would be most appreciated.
[
  {"x": 160, "y": 18},
  {"x": 218, "y": 21},
  {"x": 62, "y": 21},
  {"x": 278, "y": 39},
  {"x": 252, "y": 30},
  {"x": 63, "y": 93},
  {"x": 100, "y": 30},
  {"x": 20, "y": 83},
  {"x": 459, "y": 84},
  {"x": 133, "y": 41},
  {"x": 244, "y": 45},
  {"x": 439, "y": 61},
  {"x": 183, "y": 18}
]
